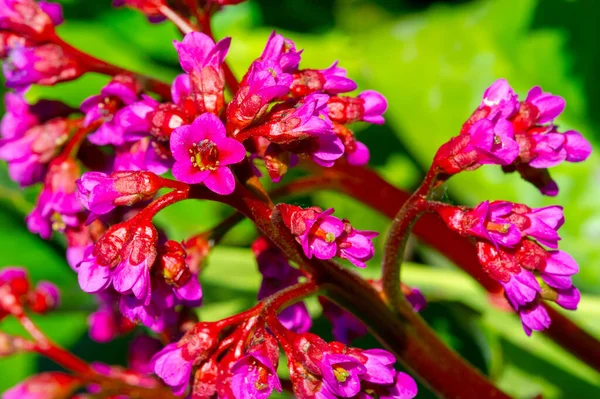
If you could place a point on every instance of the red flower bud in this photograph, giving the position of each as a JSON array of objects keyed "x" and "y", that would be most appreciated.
[
  {"x": 52, "y": 384},
  {"x": 172, "y": 265},
  {"x": 108, "y": 248},
  {"x": 44, "y": 298},
  {"x": 27, "y": 18}
]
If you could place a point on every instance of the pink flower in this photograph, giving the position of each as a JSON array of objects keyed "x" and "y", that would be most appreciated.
[
  {"x": 121, "y": 91},
  {"x": 501, "y": 100},
  {"x": 45, "y": 64},
  {"x": 203, "y": 152},
  {"x": 369, "y": 106},
  {"x": 201, "y": 58},
  {"x": 356, "y": 245},
  {"x": 319, "y": 238},
  {"x": 57, "y": 205},
  {"x": 254, "y": 377},
  {"x": 34, "y": 20},
  {"x": 100, "y": 193},
  {"x": 341, "y": 374},
  {"x": 281, "y": 51},
  {"x": 332, "y": 80},
  {"x": 173, "y": 368}
]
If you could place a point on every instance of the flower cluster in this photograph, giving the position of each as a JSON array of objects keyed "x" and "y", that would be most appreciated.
[
  {"x": 17, "y": 293},
  {"x": 324, "y": 236},
  {"x": 140, "y": 145},
  {"x": 249, "y": 367},
  {"x": 514, "y": 244},
  {"x": 518, "y": 135}
]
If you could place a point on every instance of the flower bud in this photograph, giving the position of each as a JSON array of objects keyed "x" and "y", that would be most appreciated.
[
  {"x": 15, "y": 278},
  {"x": 52, "y": 384},
  {"x": 101, "y": 193},
  {"x": 108, "y": 248},
  {"x": 172, "y": 264},
  {"x": 369, "y": 106},
  {"x": 27, "y": 18},
  {"x": 44, "y": 298},
  {"x": 166, "y": 118},
  {"x": 46, "y": 65},
  {"x": 197, "y": 249}
]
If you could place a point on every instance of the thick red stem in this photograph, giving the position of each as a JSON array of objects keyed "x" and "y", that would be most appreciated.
[{"x": 93, "y": 64}]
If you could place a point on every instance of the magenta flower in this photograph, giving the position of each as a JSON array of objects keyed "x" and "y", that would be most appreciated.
[
  {"x": 201, "y": 58},
  {"x": 45, "y": 64},
  {"x": 548, "y": 105},
  {"x": 132, "y": 274},
  {"x": 332, "y": 80},
  {"x": 307, "y": 119},
  {"x": 486, "y": 222},
  {"x": 281, "y": 51},
  {"x": 404, "y": 387},
  {"x": 369, "y": 106},
  {"x": 106, "y": 107},
  {"x": 359, "y": 156},
  {"x": 541, "y": 224},
  {"x": 158, "y": 315},
  {"x": 198, "y": 51},
  {"x": 534, "y": 317},
  {"x": 559, "y": 268},
  {"x": 173, "y": 367},
  {"x": 501, "y": 100},
  {"x": 356, "y": 246},
  {"x": 57, "y": 205},
  {"x": 417, "y": 299},
  {"x": 552, "y": 148},
  {"x": 264, "y": 82},
  {"x": 374, "y": 106},
  {"x": 522, "y": 288},
  {"x": 28, "y": 18},
  {"x": 100, "y": 193},
  {"x": 141, "y": 155},
  {"x": 202, "y": 152},
  {"x": 494, "y": 142},
  {"x": 568, "y": 298},
  {"x": 326, "y": 149},
  {"x": 341, "y": 374},
  {"x": 319, "y": 238},
  {"x": 254, "y": 377},
  {"x": 380, "y": 367},
  {"x": 18, "y": 117},
  {"x": 27, "y": 155},
  {"x": 107, "y": 322}
]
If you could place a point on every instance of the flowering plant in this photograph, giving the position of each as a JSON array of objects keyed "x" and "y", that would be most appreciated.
[{"x": 141, "y": 145}]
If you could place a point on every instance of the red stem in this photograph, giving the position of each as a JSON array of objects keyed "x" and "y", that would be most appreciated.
[
  {"x": 93, "y": 64},
  {"x": 183, "y": 24},
  {"x": 398, "y": 235}
]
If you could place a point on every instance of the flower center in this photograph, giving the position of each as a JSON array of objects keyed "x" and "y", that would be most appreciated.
[
  {"x": 341, "y": 374},
  {"x": 204, "y": 155},
  {"x": 262, "y": 382},
  {"x": 500, "y": 228}
]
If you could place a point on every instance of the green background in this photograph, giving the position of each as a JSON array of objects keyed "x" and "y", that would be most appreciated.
[{"x": 432, "y": 60}]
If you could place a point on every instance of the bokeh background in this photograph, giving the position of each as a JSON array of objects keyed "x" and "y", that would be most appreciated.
[{"x": 432, "y": 60}]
